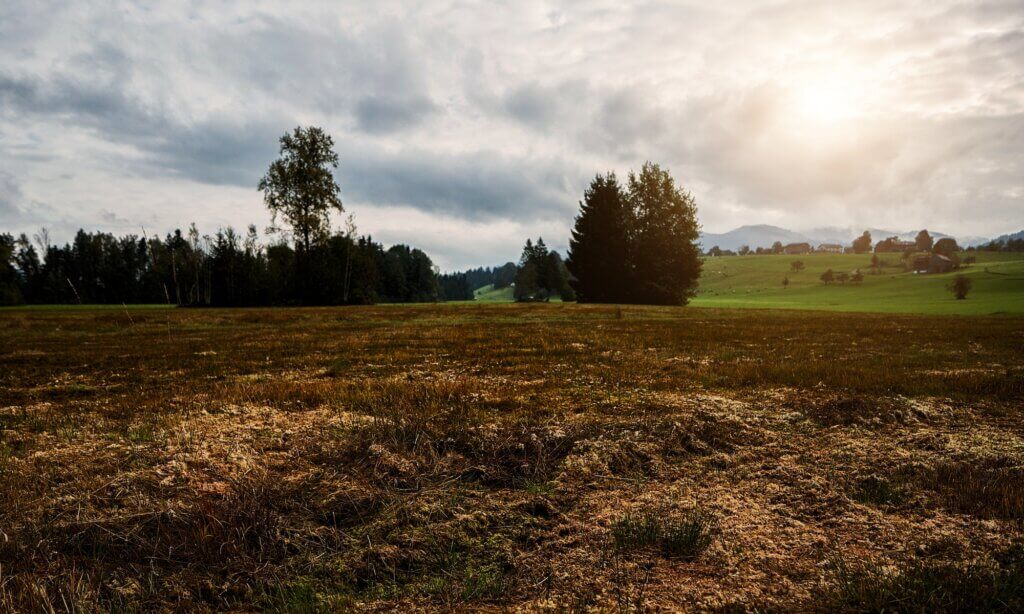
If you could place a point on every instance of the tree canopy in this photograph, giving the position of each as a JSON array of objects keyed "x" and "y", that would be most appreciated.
[
  {"x": 299, "y": 186},
  {"x": 637, "y": 245}
]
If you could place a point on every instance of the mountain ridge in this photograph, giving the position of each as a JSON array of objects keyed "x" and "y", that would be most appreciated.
[{"x": 764, "y": 235}]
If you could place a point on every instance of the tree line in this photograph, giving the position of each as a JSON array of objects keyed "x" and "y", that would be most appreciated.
[
  {"x": 226, "y": 269},
  {"x": 317, "y": 266},
  {"x": 632, "y": 243}
]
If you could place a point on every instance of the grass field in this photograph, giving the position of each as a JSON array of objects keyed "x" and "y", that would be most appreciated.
[
  {"x": 488, "y": 294},
  {"x": 756, "y": 281},
  {"x": 551, "y": 457}
]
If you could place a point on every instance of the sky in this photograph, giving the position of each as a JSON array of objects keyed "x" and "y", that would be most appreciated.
[{"x": 464, "y": 127}]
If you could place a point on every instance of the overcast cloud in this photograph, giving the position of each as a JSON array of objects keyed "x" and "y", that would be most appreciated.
[{"x": 464, "y": 127}]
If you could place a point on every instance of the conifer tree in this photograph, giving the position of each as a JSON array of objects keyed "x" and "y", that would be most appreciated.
[{"x": 599, "y": 246}]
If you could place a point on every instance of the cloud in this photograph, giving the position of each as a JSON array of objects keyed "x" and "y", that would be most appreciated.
[
  {"x": 494, "y": 116},
  {"x": 382, "y": 115},
  {"x": 10, "y": 197}
]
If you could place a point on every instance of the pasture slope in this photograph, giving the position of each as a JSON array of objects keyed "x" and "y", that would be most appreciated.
[{"x": 756, "y": 281}]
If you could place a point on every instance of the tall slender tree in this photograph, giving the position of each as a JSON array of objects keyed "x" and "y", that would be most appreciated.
[
  {"x": 599, "y": 259},
  {"x": 299, "y": 187}
]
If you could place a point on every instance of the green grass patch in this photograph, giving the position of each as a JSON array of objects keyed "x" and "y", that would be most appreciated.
[{"x": 682, "y": 537}]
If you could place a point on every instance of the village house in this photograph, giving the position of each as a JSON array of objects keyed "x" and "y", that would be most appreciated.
[
  {"x": 933, "y": 263},
  {"x": 797, "y": 249},
  {"x": 830, "y": 248}
]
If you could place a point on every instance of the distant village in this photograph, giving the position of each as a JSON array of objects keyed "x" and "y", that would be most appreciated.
[{"x": 922, "y": 255}]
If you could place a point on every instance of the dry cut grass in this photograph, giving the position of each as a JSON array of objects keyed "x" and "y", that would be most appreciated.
[{"x": 529, "y": 457}]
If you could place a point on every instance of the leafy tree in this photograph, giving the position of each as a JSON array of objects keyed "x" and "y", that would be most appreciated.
[
  {"x": 923, "y": 241},
  {"x": 599, "y": 258},
  {"x": 862, "y": 244},
  {"x": 857, "y": 277},
  {"x": 796, "y": 266},
  {"x": 946, "y": 246},
  {"x": 300, "y": 188},
  {"x": 777, "y": 247},
  {"x": 744, "y": 250},
  {"x": 665, "y": 255},
  {"x": 842, "y": 277},
  {"x": 960, "y": 287},
  {"x": 828, "y": 277},
  {"x": 715, "y": 251}
]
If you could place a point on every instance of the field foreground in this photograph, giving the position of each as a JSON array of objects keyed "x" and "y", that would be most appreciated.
[{"x": 545, "y": 457}]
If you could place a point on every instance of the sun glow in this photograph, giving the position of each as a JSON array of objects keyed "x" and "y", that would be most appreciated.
[{"x": 827, "y": 100}]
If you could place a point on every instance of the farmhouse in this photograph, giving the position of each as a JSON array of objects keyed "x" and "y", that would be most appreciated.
[
  {"x": 933, "y": 263},
  {"x": 830, "y": 248},
  {"x": 797, "y": 248}
]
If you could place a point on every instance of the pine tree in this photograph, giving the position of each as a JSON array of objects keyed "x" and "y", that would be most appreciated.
[{"x": 599, "y": 246}]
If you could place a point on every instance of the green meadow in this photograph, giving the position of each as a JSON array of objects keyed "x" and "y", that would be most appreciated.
[{"x": 757, "y": 281}]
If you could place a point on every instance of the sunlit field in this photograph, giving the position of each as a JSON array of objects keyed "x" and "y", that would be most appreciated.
[
  {"x": 756, "y": 281},
  {"x": 555, "y": 456}
]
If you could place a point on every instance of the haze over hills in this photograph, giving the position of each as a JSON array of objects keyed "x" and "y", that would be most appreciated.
[{"x": 763, "y": 235}]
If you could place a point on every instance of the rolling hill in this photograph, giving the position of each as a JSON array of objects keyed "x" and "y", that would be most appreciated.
[
  {"x": 756, "y": 281},
  {"x": 763, "y": 235}
]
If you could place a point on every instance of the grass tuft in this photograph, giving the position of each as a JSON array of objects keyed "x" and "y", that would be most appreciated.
[{"x": 683, "y": 538}]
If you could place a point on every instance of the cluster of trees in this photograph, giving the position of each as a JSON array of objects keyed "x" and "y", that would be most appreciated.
[
  {"x": 541, "y": 275},
  {"x": 1012, "y": 244},
  {"x": 829, "y": 277},
  {"x": 318, "y": 265},
  {"x": 635, "y": 243},
  {"x": 500, "y": 276},
  {"x": 226, "y": 269}
]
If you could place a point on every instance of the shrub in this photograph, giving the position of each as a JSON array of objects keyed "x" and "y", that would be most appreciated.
[{"x": 960, "y": 287}]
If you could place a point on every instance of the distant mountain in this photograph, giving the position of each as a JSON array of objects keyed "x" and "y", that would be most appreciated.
[
  {"x": 760, "y": 235},
  {"x": 764, "y": 235},
  {"x": 1018, "y": 236}
]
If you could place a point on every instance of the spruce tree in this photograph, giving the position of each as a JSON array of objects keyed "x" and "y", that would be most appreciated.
[{"x": 599, "y": 246}]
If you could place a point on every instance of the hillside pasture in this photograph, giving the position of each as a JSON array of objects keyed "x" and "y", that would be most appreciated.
[{"x": 756, "y": 281}]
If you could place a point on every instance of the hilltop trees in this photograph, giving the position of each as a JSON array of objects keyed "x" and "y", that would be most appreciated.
[
  {"x": 862, "y": 244},
  {"x": 637, "y": 245},
  {"x": 923, "y": 241},
  {"x": 946, "y": 246}
]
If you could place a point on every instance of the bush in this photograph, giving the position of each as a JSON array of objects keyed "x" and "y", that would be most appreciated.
[{"x": 960, "y": 287}]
